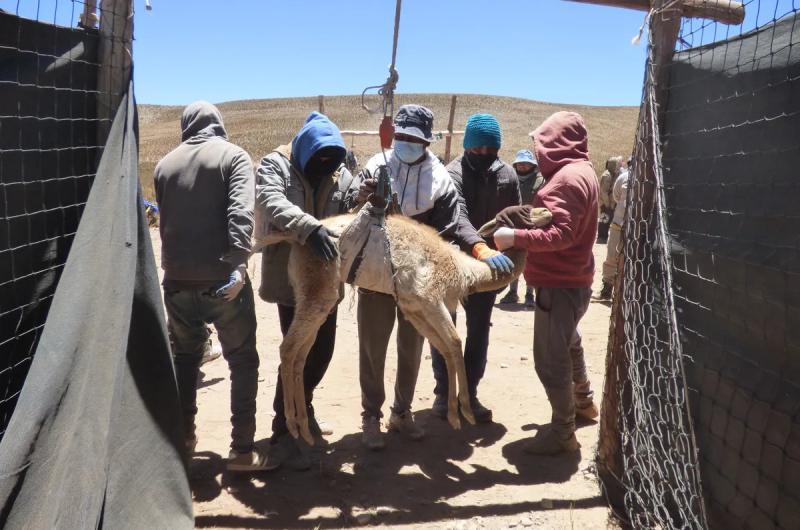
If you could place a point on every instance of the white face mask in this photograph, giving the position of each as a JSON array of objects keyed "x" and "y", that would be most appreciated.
[{"x": 408, "y": 152}]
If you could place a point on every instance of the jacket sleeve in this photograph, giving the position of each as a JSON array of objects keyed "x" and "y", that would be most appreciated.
[
  {"x": 281, "y": 213},
  {"x": 620, "y": 188},
  {"x": 444, "y": 215},
  {"x": 466, "y": 236},
  {"x": 351, "y": 194},
  {"x": 241, "y": 203},
  {"x": 605, "y": 190},
  {"x": 568, "y": 208}
]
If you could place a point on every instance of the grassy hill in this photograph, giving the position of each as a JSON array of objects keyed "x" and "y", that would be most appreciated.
[{"x": 261, "y": 125}]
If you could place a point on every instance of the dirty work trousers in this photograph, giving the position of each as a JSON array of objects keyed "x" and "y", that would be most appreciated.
[
  {"x": 612, "y": 253},
  {"x": 376, "y": 314},
  {"x": 188, "y": 312},
  {"x": 319, "y": 357},
  {"x": 558, "y": 353},
  {"x": 478, "y": 308}
]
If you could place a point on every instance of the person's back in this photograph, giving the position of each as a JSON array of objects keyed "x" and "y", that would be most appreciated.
[{"x": 206, "y": 205}]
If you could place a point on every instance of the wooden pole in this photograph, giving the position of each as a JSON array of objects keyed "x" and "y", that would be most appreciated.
[
  {"x": 116, "y": 32},
  {"x": 664, "y": 28},
  {"x": 449, "y": 140},
  {"x": 321, "y": 104},
  {"x": 723, "y": 11},
  {"x": 88, "y": 18}
]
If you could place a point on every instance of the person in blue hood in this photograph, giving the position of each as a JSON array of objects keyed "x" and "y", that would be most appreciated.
[{"x": 296, "y": 186}]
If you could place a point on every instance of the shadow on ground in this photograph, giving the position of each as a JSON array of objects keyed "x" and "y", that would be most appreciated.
[{"x": 409, "y": 482}]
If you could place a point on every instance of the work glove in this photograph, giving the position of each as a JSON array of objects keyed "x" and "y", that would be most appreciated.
[
  {"x": 231, "y": 290},
  {"x": 504, "y": 238},
  {"x": 322, "y": 244},
  {"x": 366, "y": 189},
  {"x": 498, "y": 262}
]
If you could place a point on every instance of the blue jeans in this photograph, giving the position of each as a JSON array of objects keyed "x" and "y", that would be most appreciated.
[
  {"x": 188, "y": 312},
  {"x": 478, "y": 308}
]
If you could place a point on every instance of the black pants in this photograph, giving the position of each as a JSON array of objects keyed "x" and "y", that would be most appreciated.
[
  {"x": 188, "y": 312},
  {"x": 478, "y": 308},
  {"x": 319, "y": 357}
]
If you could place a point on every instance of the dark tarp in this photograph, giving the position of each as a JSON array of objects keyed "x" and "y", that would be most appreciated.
[
  {"x": 93, "y": 441},
  {"x": 731, "y": 157}
]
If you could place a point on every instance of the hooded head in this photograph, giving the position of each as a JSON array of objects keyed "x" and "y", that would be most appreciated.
[
  {"x": 613, "y": 164},
  {"x": 317, "y": 134},
  {"x": 201, "y": 119},
  {"x": 560, "y": 140}
]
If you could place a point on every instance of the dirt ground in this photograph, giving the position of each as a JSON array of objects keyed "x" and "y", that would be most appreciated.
[{"x": 474, "y": 478}]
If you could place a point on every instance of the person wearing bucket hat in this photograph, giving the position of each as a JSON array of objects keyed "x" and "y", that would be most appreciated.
[
  {"x": 425, "y": 192},
  {"x": 485, "y": 185},
  {"x": 530, "y": 180}
]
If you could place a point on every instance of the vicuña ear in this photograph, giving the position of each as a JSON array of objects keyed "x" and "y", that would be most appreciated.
[{"x": 488, "y": 229}]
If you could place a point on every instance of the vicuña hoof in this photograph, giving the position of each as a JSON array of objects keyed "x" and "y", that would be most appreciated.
[
  {"x": 291, "y": 426},
  {"x": 306, "y": 433}
]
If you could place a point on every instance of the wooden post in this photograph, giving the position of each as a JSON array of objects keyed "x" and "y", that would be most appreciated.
[
  {"x": 321, "y": 104},
  {"x": 449, "y": 140},
  {"x": 724, "y": 11},
  {"x": 88, "y": 18},
  {"x": 116, "y": 31},
  {"x": 664, "y": 25}
]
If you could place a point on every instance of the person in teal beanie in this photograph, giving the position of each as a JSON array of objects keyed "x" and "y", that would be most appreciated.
[{"x": 485, "y": 185}]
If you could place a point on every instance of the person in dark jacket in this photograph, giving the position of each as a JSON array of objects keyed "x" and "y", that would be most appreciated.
[
  {"x": 485, "y": 185},
  {"x": 530, "y": 180},
  {"x": 561, "y": 266},
  {"x": 205, "y": 189},
  {"x": 426, "y": 193},
  {"x": 296, "y": 186}
]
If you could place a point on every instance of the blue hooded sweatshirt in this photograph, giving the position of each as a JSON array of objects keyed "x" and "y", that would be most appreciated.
[{"x": 317, "y": 132}]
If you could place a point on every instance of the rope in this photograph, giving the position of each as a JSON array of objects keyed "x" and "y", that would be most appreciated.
[{"x": 386, "y": 90}]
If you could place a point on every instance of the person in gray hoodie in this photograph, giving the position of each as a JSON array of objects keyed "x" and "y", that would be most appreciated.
[
  {"x": 205, "y": 191},
  {"x": 296, "y": 186}
]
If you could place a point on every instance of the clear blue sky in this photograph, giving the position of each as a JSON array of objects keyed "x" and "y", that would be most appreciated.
[{"x": 549, "y": 50}]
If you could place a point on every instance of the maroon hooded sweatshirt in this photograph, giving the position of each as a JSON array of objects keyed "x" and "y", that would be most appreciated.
[{"x": 560, "y": 254}]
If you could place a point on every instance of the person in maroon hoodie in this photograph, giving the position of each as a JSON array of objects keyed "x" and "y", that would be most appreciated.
[{"x": 561, "y": 266}]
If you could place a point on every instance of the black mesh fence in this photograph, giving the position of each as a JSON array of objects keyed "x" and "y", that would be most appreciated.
[
  {"x": 701, "y": 420},
  {"x": 731, "y": 156},
  {"x": 51, "y": 127}
]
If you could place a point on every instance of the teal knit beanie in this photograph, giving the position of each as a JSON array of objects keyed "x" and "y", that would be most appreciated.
[{"x": 482, "y": 130}]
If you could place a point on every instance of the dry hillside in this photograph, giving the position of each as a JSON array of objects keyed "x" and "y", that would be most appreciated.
[{"x": 261, "y": 125}]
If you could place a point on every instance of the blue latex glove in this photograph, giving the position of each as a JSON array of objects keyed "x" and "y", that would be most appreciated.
[
  {"x": 231, "y": 290},
  {"x": 500, "y": 263}
]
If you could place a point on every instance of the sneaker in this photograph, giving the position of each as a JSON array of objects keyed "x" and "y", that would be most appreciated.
[
  {"x": 510, "y": 298},
  {"x": 606, "y": 292},
  {"x": 439, "y": 408},
  {"x": 250, "y": 461},
  {"x": 530, "y": 301},
  {"x": 294, "y": 454},
  {"x": 371, "y": 435},
  {"x": 482, "y": 414},
  {"x": 587, "y": 411},
  {"x": 548, "y": 443},
  {"x": 210, "y": 352},
  {"x": 404, "y": 423}
]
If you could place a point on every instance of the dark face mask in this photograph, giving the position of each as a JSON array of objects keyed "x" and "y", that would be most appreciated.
[
  {"x": 480, "y": 163},
  {"x": 317, "y": 168}
]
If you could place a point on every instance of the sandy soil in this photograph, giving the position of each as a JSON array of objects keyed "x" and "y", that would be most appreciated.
[{"x": 474, "y": 478}]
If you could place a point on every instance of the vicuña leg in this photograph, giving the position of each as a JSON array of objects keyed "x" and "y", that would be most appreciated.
[
  {"x": 433, "y": 321},
  {"x": 316, "y": 291}
]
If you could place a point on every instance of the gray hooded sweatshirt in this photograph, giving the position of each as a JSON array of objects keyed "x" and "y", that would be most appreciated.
[{"x": 205, "y": 189}]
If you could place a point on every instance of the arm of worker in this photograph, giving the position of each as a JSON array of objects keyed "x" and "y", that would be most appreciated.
[
  {"x": 241, "y": 203},
  {"x": 280, "y": 212},
  {"x": 567, "y": 208},
  {"x": 466, "y": 236},
  {"x": 360, "y": 189},
  {"x": 620, "y": 190}
]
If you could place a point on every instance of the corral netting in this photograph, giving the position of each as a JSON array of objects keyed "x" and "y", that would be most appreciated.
[
  {"x": 89, "y": 419},
  {"x": 703, "y": 381}
]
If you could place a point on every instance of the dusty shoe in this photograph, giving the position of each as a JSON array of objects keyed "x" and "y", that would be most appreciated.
[
  {"x": 587, "y": 411},
  {"x": 211, "y": 352},
  {"x": 510, "y": 298},
  {"x": 606, "y": 292},
  {"x": 530, "y": 301},
  {"x": 482, "y": 414},
  {"x": 371, "y": 435},
  {"x": 250, "y": 461},
  {"x": 294, "y": 454},
  {"x": 404, "y": 423},
  {"x": 439, "y": 408},
  {"x": 548, "y": 443}
]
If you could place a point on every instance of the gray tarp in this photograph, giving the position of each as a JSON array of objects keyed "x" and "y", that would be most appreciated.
[{"x": 93, "y": 441}]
